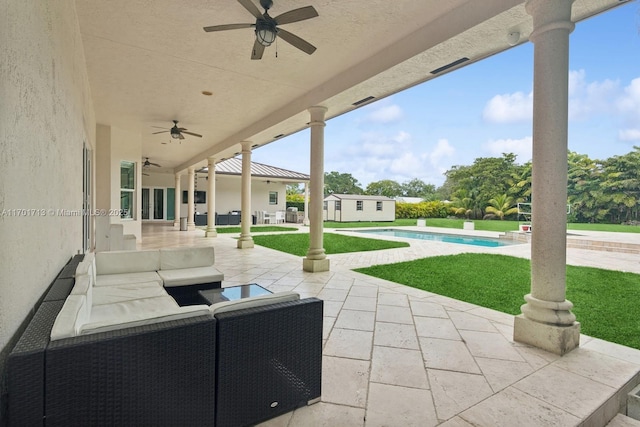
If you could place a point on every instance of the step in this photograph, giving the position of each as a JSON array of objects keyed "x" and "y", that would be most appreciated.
[{"x": 622, "y": 420}]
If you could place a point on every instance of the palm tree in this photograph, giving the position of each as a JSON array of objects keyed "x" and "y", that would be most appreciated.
[
  {"x": 463, "y": 203},
  {"x": 500, "y": 206}
]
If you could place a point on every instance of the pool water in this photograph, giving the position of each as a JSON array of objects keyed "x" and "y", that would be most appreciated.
[{"x": 440, "y": 237}]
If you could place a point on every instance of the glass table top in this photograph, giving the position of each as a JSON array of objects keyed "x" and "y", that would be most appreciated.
[{"x": 234, "y": 293}]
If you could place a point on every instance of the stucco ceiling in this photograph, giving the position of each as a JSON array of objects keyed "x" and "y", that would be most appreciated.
[{"x": 149, "y": 61}]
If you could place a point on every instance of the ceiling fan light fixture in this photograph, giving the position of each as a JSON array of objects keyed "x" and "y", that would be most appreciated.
[
  {"x": 265, "y": 33},
  {"x": 175, "y": 135}
]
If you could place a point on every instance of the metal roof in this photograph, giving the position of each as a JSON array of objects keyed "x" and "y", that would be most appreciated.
[{"x": 233, "y": 166}]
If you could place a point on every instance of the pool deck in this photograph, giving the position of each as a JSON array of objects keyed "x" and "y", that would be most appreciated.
[{"x": 398, "y": 356}]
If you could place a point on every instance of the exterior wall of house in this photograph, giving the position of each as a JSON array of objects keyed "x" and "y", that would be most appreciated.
[
  {"x": 115, "y": 145},
  {"x": 228, "y": 197},
  {"x": 46, "y": 118},
  {"x": 348, "y": 210}
]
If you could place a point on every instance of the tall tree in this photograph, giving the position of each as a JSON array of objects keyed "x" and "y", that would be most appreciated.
[
  {"x": 386, "y": 187},
  {"x": 294, "y": 188},
  {"x": 486, "y": 177},
  {"x": 621, "y": 185},
  {"x": 341, "y": 183},
  {"x": 418, "y": 188},
  {"x": 584, "y": 191}
]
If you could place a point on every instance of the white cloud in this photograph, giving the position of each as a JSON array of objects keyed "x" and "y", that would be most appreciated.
[
  {"x": 376, "y": 144},
  {"x": 509, "y": 108},
  {"x": 376, "y": 156},
  {"x": 386, "y": 114},
  {"x": 629, "y": 101},
  {"x": 520, "y": 147},
  {"x": 629, "y": 135},
  {"x": 443, "y": 150},
  {"x": 407, "y": 164},
  {"x": 585, "y": 99},
  {"x": 589, "y": 98}
]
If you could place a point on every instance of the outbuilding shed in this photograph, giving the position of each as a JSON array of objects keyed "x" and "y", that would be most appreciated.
[{"x": 356, "y": 207}]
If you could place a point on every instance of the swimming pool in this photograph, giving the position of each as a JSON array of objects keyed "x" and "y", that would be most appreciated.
[{"x": 440, "y": 237}]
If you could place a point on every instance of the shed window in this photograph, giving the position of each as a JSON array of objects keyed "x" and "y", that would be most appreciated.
[
  {"x": 338, "y": 205},
  {"x": 378, "y": 206},
  {"x": 359, "y": 205},
  {"x": 325, "y": 205}
]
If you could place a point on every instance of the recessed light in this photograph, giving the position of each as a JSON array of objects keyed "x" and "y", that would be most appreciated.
[
  {"x": 278, "y": 136},
  {"x": 207, "y": 93}
]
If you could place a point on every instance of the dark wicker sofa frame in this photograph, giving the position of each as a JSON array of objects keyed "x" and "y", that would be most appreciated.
[{"x": 236, "y": 369}]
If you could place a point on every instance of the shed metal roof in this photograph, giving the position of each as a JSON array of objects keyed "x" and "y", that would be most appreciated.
[{"x": 359, "y": 197}]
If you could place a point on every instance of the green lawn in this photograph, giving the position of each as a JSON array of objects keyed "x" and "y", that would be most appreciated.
[
  {"x": 605, "y": 302},
  {"x": 298, "y": 244},
  {"x": 396, "y": 223},
  {"x": 258, "y": 229},
  {"x": 485, "y": 225}
]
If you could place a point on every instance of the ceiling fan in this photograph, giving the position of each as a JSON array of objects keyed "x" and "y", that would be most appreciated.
[
  {"x": 147, "y": 163},
  {"x": 176, "y": 132},
  {"x": 266, "y": 27}
]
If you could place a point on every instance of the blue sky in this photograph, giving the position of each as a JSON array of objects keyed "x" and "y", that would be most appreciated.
[{"x": 484, "y": 109}]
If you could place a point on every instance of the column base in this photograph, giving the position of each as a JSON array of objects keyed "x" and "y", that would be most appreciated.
[
  {"x": 210, "y": 232},
  {"x": 555, "y": 339},
  {"x": 245, "y": 244},
  {"x": 315, "y": 265},
  {"x": 176, "y": 225},
  {"x": 191, "y": 227}
]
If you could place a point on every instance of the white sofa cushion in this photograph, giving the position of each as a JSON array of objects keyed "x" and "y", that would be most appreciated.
[
  {"x": 145, "y": 311},
  {"x": 82, "y": 285},
  {"x": 239, "y": 304},
  {"x": 190, "y": 276},
  {"x": 176, "y": 258},
  {"x": 123, "y": 279},
  {"x": 119, "y": 262},
  {"x": 118, "y": 293},
  {"x": 74, "y": 313}
]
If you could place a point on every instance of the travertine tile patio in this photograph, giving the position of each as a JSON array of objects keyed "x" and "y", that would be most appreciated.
[{"x": 397, "y": 356}]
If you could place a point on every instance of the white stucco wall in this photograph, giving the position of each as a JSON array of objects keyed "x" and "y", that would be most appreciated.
[
  {"x": 166, "y": 180},
  {"x": 45, "y": 115},
  {"x": 115, "y": 145},
  {"x": 228, "y": 189},
  {"x": 348, "y": 210}
]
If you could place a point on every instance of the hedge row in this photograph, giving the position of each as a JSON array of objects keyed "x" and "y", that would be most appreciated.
[{"x": 434, "y": 209}]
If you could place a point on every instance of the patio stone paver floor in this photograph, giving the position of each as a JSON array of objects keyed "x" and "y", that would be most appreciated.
[{"x": 398, "y": 356}]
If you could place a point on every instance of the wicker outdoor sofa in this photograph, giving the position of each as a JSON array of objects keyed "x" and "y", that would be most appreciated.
[{"x": 234, "y": 368}]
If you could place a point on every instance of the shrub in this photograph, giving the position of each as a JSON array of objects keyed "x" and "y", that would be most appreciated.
[{"x": 435, "y": 209}]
